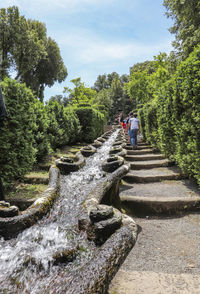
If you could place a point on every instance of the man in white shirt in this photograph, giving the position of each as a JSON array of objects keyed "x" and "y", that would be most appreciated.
[{"x": 134, "y": 125}]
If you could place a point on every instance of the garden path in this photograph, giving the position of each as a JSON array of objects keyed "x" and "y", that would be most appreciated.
[{"x": 164, "y": 205}]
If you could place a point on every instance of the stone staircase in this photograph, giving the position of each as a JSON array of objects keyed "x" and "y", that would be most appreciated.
[
  {"x": 154, "y": 185},
  {"x": 164, "y": 204}
]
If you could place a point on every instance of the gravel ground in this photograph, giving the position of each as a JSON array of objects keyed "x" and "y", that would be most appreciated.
[{"x": 165, "y": 259}]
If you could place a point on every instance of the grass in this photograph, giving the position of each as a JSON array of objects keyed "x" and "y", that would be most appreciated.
[
  {"x": 38, "y": 174},
  {"x": 25, "y": 191}
]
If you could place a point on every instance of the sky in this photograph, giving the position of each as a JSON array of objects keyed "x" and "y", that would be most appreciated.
[{"x": 100, "y": 36}]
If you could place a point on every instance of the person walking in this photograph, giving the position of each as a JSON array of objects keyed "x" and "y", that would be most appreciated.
[
  {"x": 3, "y": 116},
  {"x": 134, "y": 125}
]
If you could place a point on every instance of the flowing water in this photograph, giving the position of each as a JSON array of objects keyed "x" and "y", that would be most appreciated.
[{"x": 27, "y": 263}]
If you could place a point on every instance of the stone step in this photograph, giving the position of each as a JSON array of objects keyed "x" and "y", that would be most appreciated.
[
  {"x": 140, "y": 152},
  {"x": 153, "y": 175},
  {"x": 144, "y": 157},
  {"x": 138, "y": 142},
  {"x": 148, "y": 164},
  {"x": 166, "y": 197},
  {"x": 142, "y": 147}
]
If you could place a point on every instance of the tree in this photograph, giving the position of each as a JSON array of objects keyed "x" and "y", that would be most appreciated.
[
  {"x": 116, "y": 94},
  {"x": 147, "y": 66},
  {"x": 101, "y": 83},
  {"x": 80, "y": 94},
  {"x": 18, "y": 152},
  {"x": 60, "y": 99},
  {"x": 137, "y": 88},
  {"x": 186, "y": 28},
  {"x": 111, "y": 77},
  {"x": 26, "y": 50},
  {"x": 103, "y": 98},
  {"x": 10, "y": 24},
  {"x": 147, "y": 78},
  {"x": 50, "y": 69}
]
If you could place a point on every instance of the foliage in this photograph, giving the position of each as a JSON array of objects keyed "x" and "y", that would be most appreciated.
[
  {"x": 186, "y": 27},
  {"x": 80, "y": 94},
  {"x": 112, "y": 85},
  {"x": 64, "y": 126},
  {"x": 17, "y": 140},
  {"x": 92, "y": 123},
  {"x": 73, "y": 125},
  {"x": 150, "y": 122},
  {"x": 49, "y": 70},
  {"x": 187, "y": 110},
  {"x": 101, "y": 83},
  {"x": 137, "y": 88},
  {"x": 171, "y": 119},
  {"x": 116, "y": 95},
  {"x": 61, "y": 99},
  {"x": 26, "y": 51},
  {"x": 166, "y": 119},
  {"x": 146, "y": 66},
  {"x": 103, "y": 102},
  {"x": 42, "y": 142}
]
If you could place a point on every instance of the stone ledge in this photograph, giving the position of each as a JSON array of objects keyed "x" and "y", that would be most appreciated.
[
  {"x": 106, "y": 192},
  {"x": 103, "y": 267},
  {"x": 12, "y": 226}
]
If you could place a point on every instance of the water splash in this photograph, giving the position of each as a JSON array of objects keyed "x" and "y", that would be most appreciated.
[{"x": 27, "y": 263}]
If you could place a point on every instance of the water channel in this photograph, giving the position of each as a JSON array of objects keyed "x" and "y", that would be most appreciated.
[{"x": 27, "y": 263}]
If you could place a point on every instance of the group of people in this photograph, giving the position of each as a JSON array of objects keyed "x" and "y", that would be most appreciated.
[{"x": 132, "y": 126}]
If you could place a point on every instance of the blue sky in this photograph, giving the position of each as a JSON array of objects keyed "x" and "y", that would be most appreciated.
[{"x": 100, "y": 36}]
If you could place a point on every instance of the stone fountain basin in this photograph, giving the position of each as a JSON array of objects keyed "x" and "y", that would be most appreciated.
[
  {"x": 112, "y": 163},
  {"x": 115, "y": 149},
  {"x": 67, "y": 165},
  {"x": 97, "y": 144},
  {"x": 88, "y": 150}
]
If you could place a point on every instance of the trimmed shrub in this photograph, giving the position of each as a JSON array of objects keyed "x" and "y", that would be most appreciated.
[
  {"x": 172, "y": 119},
  {"x": 186, "y": 107},
  {"x": 73, "y": 126},
  {"x": 92, "y": 123},
  {"x": 142, "y": 123},
  {"x": 58, "y": 124},
  {"x": 42, "y": 142},
  {"x": 17, "y": 154},
  {"x": 64, "y": 125},
  {"x": 166, "y": 120},
  {"x": 149, "y": 121}
]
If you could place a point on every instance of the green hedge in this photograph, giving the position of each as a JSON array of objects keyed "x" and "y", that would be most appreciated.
[
  {"x": 186, "y": 108},
  {"x": 42, "y": 141},
  {"x": 92, "y": 123},
  {"x": 148, "y": 117},
  {"x": 64, "y": 125},
  {"x": 166, "y": 120},
  {"x": 73, "y": 125},
  {"x": 34, "y": 129},
  {"x": 17, "y": 137},
  {"x": 172, "y": 119}
]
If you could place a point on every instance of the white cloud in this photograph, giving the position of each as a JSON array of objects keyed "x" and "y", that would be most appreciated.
[{"x": 87, "y": 48}]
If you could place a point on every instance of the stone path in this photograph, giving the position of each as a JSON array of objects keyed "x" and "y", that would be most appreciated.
[{"x": 166, "y": 257}]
